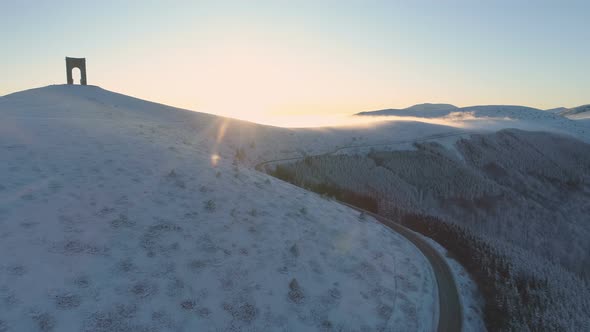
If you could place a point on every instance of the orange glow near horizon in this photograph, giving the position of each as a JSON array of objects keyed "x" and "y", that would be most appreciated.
[
  {"x": 269, "y": 61},
  {"x": 252, "y": 74}
]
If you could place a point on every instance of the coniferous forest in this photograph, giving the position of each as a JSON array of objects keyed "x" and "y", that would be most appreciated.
[{"x": 512, "y": 207}]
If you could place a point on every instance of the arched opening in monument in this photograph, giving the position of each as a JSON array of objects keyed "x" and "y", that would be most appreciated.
[
  {"x": 76, "y": 70},
  {"x": 77, "y": 75}
]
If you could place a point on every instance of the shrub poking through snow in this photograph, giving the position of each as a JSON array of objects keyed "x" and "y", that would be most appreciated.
[
  {"x": 295, "y": 292},
  {"x": 240, "y": 155},
  {"x": 210, "y": 205},
  {"x": 187, "y": 304}
]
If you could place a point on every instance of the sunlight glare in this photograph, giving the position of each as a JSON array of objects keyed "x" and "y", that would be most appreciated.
[{"x": 215, "y": 159}]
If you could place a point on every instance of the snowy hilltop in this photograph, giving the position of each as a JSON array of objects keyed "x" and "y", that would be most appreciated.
[{"x": 118, "y": 214}]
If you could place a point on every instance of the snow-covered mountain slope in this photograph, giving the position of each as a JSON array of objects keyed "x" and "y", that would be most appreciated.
[
  {"x": 556, "y": 110},
  {"x": 426, "y": 107},
  {"x": 256, "y": 142},
  {"x": 118, "y": 214},
  {"x": 517, "y": 112},
  {"x": 577, "y": 112},
  {"x": 431, "y": 107},
  {"x": 526, "y": 194},
  {"x": 492, "y": 118}
]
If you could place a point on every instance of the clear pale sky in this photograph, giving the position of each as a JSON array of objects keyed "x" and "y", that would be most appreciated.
[{"x": 253, "y": 59}]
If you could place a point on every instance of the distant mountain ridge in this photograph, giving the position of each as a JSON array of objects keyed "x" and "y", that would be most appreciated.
[
  {"x": 441, "y": 110},
  {"x": 557, "y": 110},
  {"x": 509, "y": 111},
  {"x": 417, "y": 107},
  {"x": 431, "y": 107},
  {"x": 575, "y": 110},
  {"x": 438, "y": 109}
]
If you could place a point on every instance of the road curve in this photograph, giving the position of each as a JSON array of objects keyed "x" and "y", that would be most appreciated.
[{"x": 450, "y": 317}]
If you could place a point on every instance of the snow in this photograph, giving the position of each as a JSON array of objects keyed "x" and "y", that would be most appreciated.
[
  {"x": 426, "y": 107},
  {"x": 120, "y": 214},
  {"x": 556, "y": 110},
  {"x": 522, "y": 195},
  {"x": 492, "y": 118},
  {"x": 572, "y": 112},
  {"x": 431, "y": 107},
  {"x": 580, "y": 116},
  {"x": 471, "y": 299}
]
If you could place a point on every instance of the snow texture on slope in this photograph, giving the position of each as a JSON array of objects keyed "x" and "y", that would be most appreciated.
[{"x": 117, "y": 214}]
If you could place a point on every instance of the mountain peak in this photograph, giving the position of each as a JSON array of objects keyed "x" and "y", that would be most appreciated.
[{"x": 431, "y": 107}]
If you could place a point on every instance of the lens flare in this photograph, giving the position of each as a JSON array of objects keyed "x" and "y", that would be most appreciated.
[{"x": 215, "y": 160}]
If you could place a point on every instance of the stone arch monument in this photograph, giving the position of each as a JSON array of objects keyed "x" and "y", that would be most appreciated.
[{"x": 79, "y": 63}]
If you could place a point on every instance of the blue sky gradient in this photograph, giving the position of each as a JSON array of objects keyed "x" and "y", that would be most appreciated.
[{"x": 277, "y": 57}]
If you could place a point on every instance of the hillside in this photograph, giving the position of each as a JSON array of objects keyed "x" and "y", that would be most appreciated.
[
  {"x": 580, "y": 112},
  {"x": 118, "y": 214},
  {"x": 513, "y": 205}
]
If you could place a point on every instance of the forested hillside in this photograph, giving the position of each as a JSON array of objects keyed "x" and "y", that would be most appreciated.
[{"x": 512, "y": 206}]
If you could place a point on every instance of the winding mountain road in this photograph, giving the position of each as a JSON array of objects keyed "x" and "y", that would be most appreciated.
[
  {"x": 450, "y": 309},
  {"x": 449, "y": 305}
]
